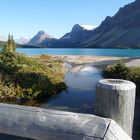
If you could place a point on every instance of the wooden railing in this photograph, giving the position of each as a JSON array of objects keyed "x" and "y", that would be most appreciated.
[
  {"x": 115, "y": 99},
  {"x": 44, "y": 124}
]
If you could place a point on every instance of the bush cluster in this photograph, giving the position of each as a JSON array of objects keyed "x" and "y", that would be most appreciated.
[
  {"x": 121, "y": 71},
  {"x": 24, "y": 79}
]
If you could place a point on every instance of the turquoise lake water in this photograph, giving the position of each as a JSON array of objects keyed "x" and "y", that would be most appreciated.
[
  {"x": 92, "y": 52},
  {"x": 80, "y": 93}
]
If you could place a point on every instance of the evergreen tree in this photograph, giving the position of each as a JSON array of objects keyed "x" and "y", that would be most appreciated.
[
  {"x": 13, "y": 44},
  {"x": 10, "y": 45}
]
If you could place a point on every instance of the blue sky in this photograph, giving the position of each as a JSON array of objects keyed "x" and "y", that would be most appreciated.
[{"x": 24, "y": 18}]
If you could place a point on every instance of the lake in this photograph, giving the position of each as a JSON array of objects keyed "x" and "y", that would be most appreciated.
[
  {"x": 94, "y": 52},
  {"x": 80, "y": 95}
]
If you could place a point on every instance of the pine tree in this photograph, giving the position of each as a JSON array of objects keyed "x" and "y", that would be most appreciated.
[
  {"x": 10, "y": 46},
  {"x": 13, "y": 45}
]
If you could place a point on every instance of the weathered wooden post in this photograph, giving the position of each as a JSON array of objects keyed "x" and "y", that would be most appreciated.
[{"x": 115, "y": 99}]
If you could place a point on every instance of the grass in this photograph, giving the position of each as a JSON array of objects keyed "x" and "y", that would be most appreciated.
[{"x": 29, "y": 80}]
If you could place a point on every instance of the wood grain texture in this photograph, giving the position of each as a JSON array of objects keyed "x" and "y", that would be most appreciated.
[
  {"x": 115, "y": 99},
  {"x": 43, "y": 124}
]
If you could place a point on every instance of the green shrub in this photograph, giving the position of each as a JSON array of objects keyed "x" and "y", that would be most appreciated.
[
  {"x": 120, "y": 71},
  {"x": 28, "y": 78},
  {"x": 117, "y": 71}
]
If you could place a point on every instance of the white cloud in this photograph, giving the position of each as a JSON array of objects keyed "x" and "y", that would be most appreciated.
[{"x": 89, "y": 27}]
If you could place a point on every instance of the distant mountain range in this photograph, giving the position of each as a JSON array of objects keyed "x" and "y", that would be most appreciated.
[
  {"x": 3, "y": 38},
  {"x": 23, "y": 40},
  {"x": 77, "y": 35},
  {"x": 120, "y": 31},
  {"x": 39, "y": 38}
]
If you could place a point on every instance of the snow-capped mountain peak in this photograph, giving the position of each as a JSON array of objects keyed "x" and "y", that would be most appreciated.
[{"x": 89, "y": 27}]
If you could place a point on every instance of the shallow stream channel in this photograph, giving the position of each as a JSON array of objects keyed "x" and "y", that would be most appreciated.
[{"x": 81, "y": 83}]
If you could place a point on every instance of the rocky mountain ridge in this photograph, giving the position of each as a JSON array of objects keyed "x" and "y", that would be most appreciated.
[
  {"x": 123, "y": 29},
  {"x": 39, "y": 38},
  {"x": 119, "y": 31}
]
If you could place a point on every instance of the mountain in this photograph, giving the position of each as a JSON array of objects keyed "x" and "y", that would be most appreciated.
[
  {"x": 89, "y": 27},
  {"x": 121, "y": 30},
  {"x": 20, "y": 43},
  {"x": 22, "y": 40},
  {"x": 3, "y": 38},
  {"x": 77, "y": 35},
  {"x": 39, "y": 37}
]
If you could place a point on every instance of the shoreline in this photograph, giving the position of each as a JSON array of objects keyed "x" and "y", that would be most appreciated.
[
  {"x": 80, "y": 59},
  {"x": 78, "y": 62},
  {"x": 98, "y": 60}
]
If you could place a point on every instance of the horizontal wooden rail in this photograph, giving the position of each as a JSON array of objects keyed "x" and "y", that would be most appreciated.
[{"x": 44, "y": 124}]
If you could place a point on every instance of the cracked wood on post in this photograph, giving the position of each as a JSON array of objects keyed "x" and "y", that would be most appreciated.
[
  {"x": 43, "y": 124},
  {"x": 114, "y": 132},
  {"x": 115, "y": 99}
]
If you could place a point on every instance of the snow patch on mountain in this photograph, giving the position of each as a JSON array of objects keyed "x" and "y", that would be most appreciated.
[{"x": 89, "y": 27}]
